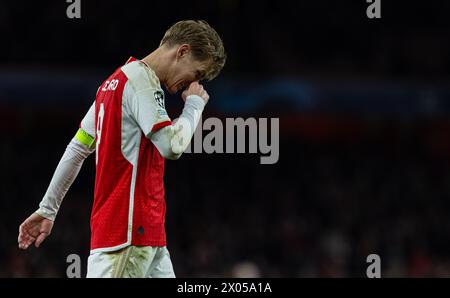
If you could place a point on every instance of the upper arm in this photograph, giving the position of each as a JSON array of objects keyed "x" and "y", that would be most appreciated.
[{"x": 147, "y": 108}]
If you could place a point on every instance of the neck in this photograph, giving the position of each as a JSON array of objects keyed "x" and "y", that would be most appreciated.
[{"x": 155, "y": 61}]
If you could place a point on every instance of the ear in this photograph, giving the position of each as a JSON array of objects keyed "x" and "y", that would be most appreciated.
[{"x": 183, "y": 50}]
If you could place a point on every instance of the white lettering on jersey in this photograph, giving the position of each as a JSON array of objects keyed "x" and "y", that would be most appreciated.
[{"x": 110, "y": 85}]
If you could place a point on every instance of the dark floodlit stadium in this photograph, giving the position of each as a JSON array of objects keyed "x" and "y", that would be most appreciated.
[{"x": 314, "y": 142}]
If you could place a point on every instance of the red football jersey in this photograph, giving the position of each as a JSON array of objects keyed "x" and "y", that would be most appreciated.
[{"x": 129, "y": 205}]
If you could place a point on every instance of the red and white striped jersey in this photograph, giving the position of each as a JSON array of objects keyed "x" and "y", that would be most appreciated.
[{"x": 129, "y": 205}]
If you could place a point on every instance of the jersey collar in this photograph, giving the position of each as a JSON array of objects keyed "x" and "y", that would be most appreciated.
[{"x": 131, "y": 59}]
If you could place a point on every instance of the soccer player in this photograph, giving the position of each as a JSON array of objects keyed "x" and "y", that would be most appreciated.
[{"x": 129, "y": 129}]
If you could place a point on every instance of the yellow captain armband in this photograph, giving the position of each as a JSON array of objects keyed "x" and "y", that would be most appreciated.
[{"x": 85, "y": 138}]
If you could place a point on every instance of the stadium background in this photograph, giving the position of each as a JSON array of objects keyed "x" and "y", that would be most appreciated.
[{"x": 364, "y": 135}]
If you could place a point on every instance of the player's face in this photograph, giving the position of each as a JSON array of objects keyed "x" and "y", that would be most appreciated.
[{"x": 184, "y": 71}]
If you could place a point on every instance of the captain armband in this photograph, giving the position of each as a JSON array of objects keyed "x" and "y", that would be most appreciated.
[{"x": 85, "y": 138}]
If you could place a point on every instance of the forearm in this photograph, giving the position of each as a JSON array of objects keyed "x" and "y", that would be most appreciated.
[
  {"x": 173, "y": 140},
  {"x": 65, "y": 173}
]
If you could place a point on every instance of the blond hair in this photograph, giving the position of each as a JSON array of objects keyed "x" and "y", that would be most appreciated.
[{"x": 206, "y": 44}]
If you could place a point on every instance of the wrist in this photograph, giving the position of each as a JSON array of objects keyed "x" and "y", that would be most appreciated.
[
  {"x": 195, "y": 101},
  {"x": 45, "y": 213}
]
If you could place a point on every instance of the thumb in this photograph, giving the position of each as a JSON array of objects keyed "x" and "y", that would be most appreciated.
[
  {"x": 40, "y": 239},
  {"x": 193, "y": 84}
]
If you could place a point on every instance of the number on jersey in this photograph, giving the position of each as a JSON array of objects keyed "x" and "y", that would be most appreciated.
[{"x": 101, "y": 113}]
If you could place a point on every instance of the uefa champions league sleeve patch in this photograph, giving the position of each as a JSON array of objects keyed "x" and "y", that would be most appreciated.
[{"x": 159, "y": 97}]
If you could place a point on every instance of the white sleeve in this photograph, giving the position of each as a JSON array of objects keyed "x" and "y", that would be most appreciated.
[
  {"x": 171, "y": 141},
  {"x": 69, "y": 166},
  {"x": 147, "y": 108},
  {"x": 88, "y": 122}
]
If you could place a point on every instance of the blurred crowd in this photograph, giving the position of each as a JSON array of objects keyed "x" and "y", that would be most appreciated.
[{"x": 319, "y": 212}]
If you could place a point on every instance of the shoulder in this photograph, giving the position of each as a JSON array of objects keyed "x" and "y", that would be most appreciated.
[{"x": 140, "y": 76}]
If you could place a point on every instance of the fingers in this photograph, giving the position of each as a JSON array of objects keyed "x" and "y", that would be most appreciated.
[
  {"x": 25, "y": 239},
  {"x": 29, "y": 230},
  {"x": 206, "y": 96},
  {"x": 27, "y": 234},
  {"x": 34, "y": 229},
  {"x": 199, "y": 90},
  {"x": 202, "y": 93},
  {"x": 26, "y": 242},
  {"x": 184, "y": 94},
  {"x": 40, "y": 239},
  {"x": 194, "y": 84},
  {"x": 21, "y": 240},
  {"x": 195, "y": 89}
]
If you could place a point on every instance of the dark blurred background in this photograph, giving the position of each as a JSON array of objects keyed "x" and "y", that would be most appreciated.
[{"x": 363, "y": 105}]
